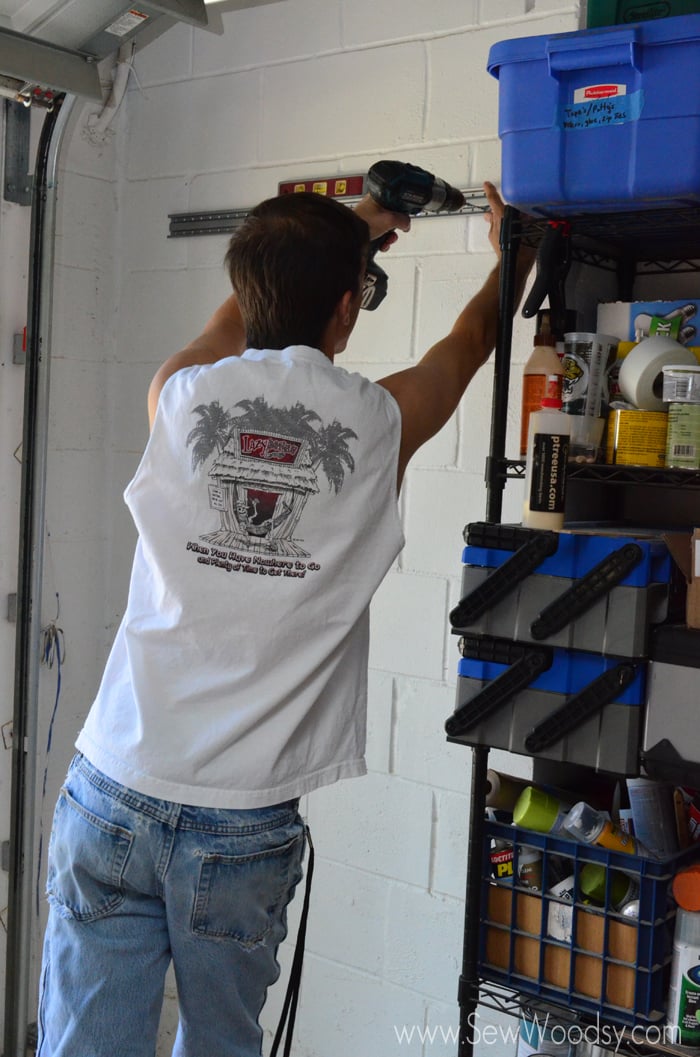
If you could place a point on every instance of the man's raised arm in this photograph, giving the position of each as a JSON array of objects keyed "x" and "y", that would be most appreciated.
[
  {"x": 428, "y": 394},
  {"x": 223, "y": 335}
]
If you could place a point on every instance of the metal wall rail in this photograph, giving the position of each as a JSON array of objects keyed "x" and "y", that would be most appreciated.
[{"x": 226, "y": 221}]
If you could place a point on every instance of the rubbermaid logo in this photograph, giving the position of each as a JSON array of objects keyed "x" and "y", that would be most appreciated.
[
  {"x": 587, "y": 92},
  {"x": 601, "y": 91}
]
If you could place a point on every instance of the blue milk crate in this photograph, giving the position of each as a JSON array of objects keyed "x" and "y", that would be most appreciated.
[
  {"x": 601, "y": 119},
  {"x": 596, "y": 592},
  {"x": 591, "y": 958}
]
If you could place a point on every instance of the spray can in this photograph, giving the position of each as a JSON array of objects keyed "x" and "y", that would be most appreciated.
[
  {"x": 684, "y": 991},
  {"x": 540, "y": 811},
  {"x": 592, "y": 827},
  {"x": 622, "y": 889},
  {"x": 547, "y": 457}
]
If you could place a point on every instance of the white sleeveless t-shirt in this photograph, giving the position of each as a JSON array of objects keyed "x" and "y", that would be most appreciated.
[{"x": 267, "y": 515}]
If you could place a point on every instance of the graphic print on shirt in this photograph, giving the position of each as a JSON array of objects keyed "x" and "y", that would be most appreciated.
[{"x": 265, "y": 462}]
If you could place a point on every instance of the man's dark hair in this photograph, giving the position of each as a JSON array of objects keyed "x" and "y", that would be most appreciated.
[{"x": 290, "y": 263}]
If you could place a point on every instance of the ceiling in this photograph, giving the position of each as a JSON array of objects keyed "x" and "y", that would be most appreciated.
[{"x": 57, "y": 44}]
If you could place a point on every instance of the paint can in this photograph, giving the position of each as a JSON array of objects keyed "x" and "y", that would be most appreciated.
[
  {"x": 636, "y": 438},
  {"x": 683, "y": 438},
  {"x": 681, "y": 393}
]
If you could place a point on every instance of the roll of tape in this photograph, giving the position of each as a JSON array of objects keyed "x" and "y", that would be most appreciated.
[{"x": 641, "y": 377}]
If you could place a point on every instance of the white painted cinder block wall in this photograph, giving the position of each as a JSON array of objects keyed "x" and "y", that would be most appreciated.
[{"x": 299, "y": 89}]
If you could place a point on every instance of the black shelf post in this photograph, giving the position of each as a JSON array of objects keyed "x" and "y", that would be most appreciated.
[
  {"x": 495, "y": 472},
  {"x": 468, "y": 994}
]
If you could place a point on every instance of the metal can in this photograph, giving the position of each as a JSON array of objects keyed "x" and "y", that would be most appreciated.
[
  {"x": 681, "y": 392},
  {"x": 683, "y": 436}
]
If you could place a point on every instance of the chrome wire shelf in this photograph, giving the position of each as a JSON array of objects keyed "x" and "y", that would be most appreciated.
[
  {"x": 631, "y": 1041},
  {"x": 603, "y": 473},
  {"x": 659, "y": 241}
]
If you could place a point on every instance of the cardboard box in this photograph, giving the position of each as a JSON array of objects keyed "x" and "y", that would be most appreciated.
[
  {"x": 685, "y": 551},
  {"x": 626, "y": 320}
]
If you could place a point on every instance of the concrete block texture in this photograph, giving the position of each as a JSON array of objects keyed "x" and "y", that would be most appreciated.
[
  {"x": 437, "y": 506},
  {"x": 406, "y": 619},
  {"x": 380, "y": 720},
  {"x": 274, "y": 33},
  {"x": 392, "y": 104},
  {"x": 170, "y": 126},
  {"x": 379, "y": 824},
  {"x": 345, "y": 1012},
  {"x": 421, "y": 922},
  {"x": 366, "y": 22},
  {"x": 420, "y": 750},
  {"x": 349, "y": 918}
]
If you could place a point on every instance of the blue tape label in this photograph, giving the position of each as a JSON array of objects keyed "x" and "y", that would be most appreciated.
[{"x": 594, "y": 111}]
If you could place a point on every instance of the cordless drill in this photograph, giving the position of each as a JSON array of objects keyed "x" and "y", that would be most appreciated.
[{"x": 402, "y": 188}]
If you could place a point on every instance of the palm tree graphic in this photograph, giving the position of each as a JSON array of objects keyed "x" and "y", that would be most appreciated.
[
  {"x": 211, "y": 432},
  {"x": 265, "y": 468},
  {"x": 328, "y": 445},
  {"x": 332, "y": 454}
]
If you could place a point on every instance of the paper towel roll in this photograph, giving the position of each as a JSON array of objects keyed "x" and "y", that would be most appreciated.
[
  {"x": 641, "y": 377},
  {"x": 502, "y": 790}
]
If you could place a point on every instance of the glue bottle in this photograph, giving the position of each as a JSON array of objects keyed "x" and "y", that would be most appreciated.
[
  {"x": 684, "y": 990},
  {"x": 543, "y": 362},
  {"x": 547, "y": 455}
]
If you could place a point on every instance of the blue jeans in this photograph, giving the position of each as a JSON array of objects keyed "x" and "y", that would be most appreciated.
[{"x": 133, "y": 883}]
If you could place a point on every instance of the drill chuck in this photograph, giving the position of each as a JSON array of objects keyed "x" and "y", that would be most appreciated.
[{"x": 445, "y": 198}]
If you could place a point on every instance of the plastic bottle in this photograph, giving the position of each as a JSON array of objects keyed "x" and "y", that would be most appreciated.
[
  {"x": 543, "y": 362},
  {"x": 592, "y": 827},
  {"x": 684, "y": 990},
  {"x": 547, "y": 455}
]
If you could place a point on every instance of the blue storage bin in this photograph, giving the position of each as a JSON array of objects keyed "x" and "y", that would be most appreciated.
[
  {"x": 569, "y": 673},
  {"x": 563, "y": 712},
  {"x": 577, "y": 554},
  {"x": 602, "y": 119},
  {"x": 553, "y": 598},
  {"x": 610, "y": 966}
]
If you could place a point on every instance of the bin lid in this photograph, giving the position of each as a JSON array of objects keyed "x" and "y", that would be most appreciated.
[{"x": 679, "y": 28}]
